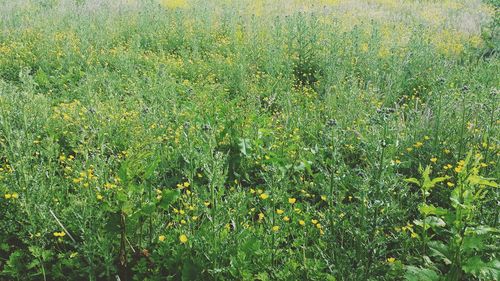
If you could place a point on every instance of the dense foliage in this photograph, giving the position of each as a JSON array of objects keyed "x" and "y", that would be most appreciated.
[{"x": 249, "y": 140}]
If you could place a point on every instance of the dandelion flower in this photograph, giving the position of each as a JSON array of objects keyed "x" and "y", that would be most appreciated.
[
  {"x": 183, "y": 238},
  {"x": 301, "y": 222},
  {"x": 161, "y": 238},
  {"x": 276, "y": 228},
  {"x": 264, "y": 196},
  {"x": 292, "y": 200}
]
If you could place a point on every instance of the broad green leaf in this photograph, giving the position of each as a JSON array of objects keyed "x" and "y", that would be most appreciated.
[
  {"x": 440, "y": 250},
  {"x": 244, "y": 145},
  {"x": 472, "y": 243},
  {"x": 475, "y": 179},
  {"x": 148, "y": 209},
  {"x": 435, "y": 221},
  {"x": 168, "y": 197},
  {"x": 431, "y": 210},
  {"x": 482, "y": 229},
  {"x": 414, "y": 273},
  {"x": 430, "y": 221},
  {"x": 480, "y": 269}
]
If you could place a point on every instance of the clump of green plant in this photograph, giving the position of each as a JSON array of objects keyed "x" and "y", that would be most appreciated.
[{"x": 456, "y": 242}]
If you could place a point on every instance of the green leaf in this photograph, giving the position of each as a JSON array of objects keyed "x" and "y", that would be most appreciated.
[
  {"x": 438, "y": 180},
  {"x": 480, "y": 269},
  {"x": 430, "y": 221},
  {"x": 4, "y": 247},
  {"x": 472, "y": 243},
  {"x": 435, "y": 221},
  {"x": 414, "y": 273},
  {"x": 482, "y": 229},
  {"x": 431, "y": 210},
  {"x": 168, "y": 197},
  {"x": 440, "y": 250},
  {"x": 244, "y": 145},
  {"x": 475, "y": 179},
  {"x": 123, "y": 173},
  {"x": 148, "y": 209},
  {"x": 413, "y": 180},
  {"x": 121, "y": 196},
  {"x": 149, "y": 171}
]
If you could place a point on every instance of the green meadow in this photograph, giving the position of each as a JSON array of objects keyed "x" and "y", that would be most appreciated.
[{"x": 249, "y": 140}]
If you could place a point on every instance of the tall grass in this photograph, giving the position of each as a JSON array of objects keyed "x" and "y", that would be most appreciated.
[{"x": 248, "y": 140}]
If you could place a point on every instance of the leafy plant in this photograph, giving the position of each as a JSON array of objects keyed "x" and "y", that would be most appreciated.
[{"x": 458, "y": 242}]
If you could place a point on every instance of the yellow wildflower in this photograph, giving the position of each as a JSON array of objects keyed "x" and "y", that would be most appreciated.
[{"x": 183, "y": 238}]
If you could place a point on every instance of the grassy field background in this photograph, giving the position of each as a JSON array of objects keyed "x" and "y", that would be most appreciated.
[{"x": 249, "y": 140}]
